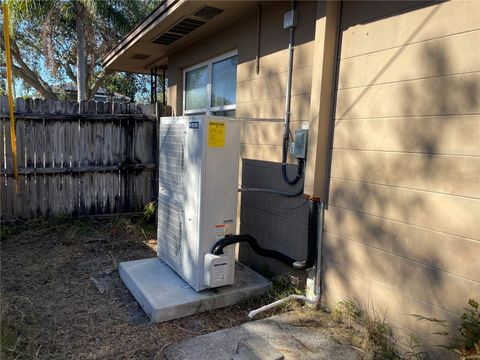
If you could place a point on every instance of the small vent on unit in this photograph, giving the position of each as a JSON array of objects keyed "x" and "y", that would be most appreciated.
[
  {"x": 207, "y": 12},
  {"x": 184, "y": 27},
  {"x": 140, "y": 56}
]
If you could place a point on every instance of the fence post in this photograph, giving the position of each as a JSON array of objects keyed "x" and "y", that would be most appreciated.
[{"x": 159, "y": 112}]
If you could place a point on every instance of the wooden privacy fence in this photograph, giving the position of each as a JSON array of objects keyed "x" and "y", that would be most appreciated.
[{"x": 99, "y": 160}]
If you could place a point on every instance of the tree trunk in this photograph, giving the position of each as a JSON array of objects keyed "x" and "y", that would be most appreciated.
[{"x": 81, "y": 60}]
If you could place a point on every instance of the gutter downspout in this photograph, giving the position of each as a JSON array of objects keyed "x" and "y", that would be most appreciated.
[{"x": 323, "y": 202}]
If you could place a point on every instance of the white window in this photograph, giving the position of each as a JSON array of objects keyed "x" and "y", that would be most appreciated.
[{"x": 210, "y": 87}]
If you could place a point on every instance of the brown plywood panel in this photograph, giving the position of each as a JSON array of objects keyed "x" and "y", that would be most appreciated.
[
  {"x": 424, "y": 282},
  {"x": 447, "y": 252},
  {"x": 450, "y": 214},
  {"x": 446, "y": 95},
  {"x": 445, "y": 56},
  {"x": 408, "y": 27},
  {"x": 454, "y": 135},
  {"x": 454, "y": 175}
]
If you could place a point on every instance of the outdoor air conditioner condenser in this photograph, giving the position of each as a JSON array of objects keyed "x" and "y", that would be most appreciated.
[{"x": 197, "y": 200}]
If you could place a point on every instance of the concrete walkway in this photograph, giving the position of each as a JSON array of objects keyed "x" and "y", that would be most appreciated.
[{"x": 274, "y": 338}]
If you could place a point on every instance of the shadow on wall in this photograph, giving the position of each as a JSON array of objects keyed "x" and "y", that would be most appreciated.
[{"x": 403, "y": 198}]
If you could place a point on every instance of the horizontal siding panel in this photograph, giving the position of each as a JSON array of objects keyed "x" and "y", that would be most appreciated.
[
  {"x": 426, "y": 59},
  {"x": 447, "y": 95},
  {"x": 408, "y": 27},
  {"x": 274, "y": 63},
  {"x": 273, "y": 86},
  {"x": 429, "y": 210},
  {"x": 454, "y": 175},
  {"x": 275, "y": 108},
  {"x": 451, "y": 253},
  {"x": 261, "y": 152},
  {"x": 400, "y": 273},
  {"x": 391, "y": 304},
  {"x": 455, "y": 135},
  {"x": 265, "y": 132}
]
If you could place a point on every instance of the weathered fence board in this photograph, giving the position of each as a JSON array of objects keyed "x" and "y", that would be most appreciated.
[{"x": 99, "y": 161}]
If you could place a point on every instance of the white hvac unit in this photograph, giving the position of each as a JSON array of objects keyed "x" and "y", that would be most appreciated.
[{"x": 197, "y": 200}]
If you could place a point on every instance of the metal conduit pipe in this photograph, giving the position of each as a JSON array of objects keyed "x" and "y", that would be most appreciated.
[{"x": 288, "y": 100}]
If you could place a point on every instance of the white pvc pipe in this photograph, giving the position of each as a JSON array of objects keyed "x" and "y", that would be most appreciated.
[{"x": 314, "y": 300}]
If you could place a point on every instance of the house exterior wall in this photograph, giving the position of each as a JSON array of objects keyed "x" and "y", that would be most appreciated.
[
  {"x": 261, "y": 103},
  {"x": 402, "y": 228}
]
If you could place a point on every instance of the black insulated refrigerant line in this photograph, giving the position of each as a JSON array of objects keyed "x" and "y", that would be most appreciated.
[{"x": 287, "y": 260}]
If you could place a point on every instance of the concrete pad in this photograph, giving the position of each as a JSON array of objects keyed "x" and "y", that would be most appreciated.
[
  {"x": 288, "y": 337},
  {"x": 256, "y": 348},
  {"x": 164, "y": 295}
]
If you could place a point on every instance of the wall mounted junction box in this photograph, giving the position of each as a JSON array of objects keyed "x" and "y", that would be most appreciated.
[{"x": 298, "y": 148}]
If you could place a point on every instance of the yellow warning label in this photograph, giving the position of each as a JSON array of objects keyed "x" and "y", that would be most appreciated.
[{"x": 216, "y": 134}]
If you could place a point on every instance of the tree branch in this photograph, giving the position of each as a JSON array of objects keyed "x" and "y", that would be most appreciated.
[
  {"x": 28, "y": 75},
  {"x": 100, "y": 80}
]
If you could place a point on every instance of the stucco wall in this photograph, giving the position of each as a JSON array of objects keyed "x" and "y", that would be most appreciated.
[
  {"x": 402, "y": 229},
  {"x": 261, "y": 102}
]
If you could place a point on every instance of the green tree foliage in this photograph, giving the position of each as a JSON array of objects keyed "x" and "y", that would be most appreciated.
[
  {"x": 65, "y": 41},
  {"x": 127, "y": 84}
]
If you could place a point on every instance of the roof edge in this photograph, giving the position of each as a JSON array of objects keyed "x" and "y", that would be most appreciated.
[{"x": 138, "y": 31}]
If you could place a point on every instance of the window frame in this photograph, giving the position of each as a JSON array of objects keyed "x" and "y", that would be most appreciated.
[{"x": 209, "y": 109}]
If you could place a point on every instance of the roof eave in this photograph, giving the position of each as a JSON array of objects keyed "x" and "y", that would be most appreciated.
[{"x": 138, "y": 32}]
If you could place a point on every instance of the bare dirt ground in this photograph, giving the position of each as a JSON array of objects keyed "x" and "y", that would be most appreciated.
[{"x": 61, "y": 296}]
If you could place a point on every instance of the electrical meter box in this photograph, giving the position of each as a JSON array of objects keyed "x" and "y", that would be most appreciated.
[{"x": 197, "y": 198}]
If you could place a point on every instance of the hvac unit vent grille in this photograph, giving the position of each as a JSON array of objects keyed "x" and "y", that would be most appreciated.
[
  {"x": 207, "y": 12},
  {"x": 184, "y": 27},
  {"x": 170, "y": 205}
]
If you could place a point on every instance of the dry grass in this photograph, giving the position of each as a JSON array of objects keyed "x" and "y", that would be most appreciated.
[{"x": 50, "y": 307}]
